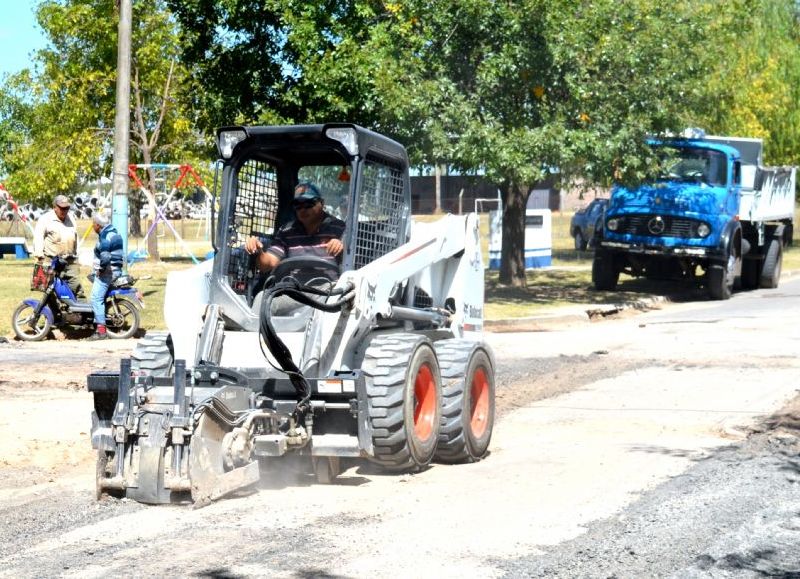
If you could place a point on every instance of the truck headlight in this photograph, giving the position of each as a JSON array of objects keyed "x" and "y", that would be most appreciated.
[
  {"x": 612, "y": 224},
  {"x": 703, "y": 230}
]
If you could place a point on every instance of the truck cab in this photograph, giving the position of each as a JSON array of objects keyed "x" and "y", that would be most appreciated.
[{"x": 695, "y": 220}]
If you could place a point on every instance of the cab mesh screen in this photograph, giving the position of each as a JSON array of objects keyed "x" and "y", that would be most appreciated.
[
  {"x": 255, "y": 213},
  {"x": 382, "y": 212}
]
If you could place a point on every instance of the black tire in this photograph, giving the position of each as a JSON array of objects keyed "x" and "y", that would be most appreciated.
[
  {"x": 716, "y": 280},
  {"x": 580, "y": 241},
  {"x": 751, "y": 272},
  {"x": 122, "y": 318},
  {"x": 605, "y": 274},
  {"x": 19, "y": 322},
  {"x": 153, "y": 355},
  {"x": 404, "y": 400},
  {"x": 720, "y": 278},
  {"x": 468, "y": 391},
  {"x": 773, "y": 264}
]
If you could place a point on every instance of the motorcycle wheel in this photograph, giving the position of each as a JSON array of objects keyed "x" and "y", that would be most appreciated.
[
  {"x": 122, "y": 318},
  {"x": 24, "y": 329}
]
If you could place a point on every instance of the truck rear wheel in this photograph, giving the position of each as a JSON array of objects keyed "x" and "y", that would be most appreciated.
[
  {"x": 605, "y": 274},
  {"x": 404, "y": 400},
  {"x": 773, "y": 263},
  {"x": 468, "y": 391}
]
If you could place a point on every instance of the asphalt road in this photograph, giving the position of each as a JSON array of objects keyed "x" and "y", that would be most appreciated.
[{"x": 635, "y": 447}]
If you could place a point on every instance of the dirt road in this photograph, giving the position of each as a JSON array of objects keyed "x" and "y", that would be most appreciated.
[{"x": 594, "y": 421}]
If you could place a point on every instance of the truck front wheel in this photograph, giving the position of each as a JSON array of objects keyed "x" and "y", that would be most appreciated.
[
  {"x": 721, "y": 277},
  {"x": 605, "y": 274}
]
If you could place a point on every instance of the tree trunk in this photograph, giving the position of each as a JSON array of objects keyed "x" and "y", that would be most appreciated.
[{"x": 512, "y": 255}]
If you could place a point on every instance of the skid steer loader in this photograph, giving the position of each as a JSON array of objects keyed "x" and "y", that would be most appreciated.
[{"x": 382, "y": 359}]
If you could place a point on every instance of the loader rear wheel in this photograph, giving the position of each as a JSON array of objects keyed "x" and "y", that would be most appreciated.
[
  {"x": 468, "y": 390},
  {"x": 404, "y": 400},
  {"x": 153, "y": 355}
]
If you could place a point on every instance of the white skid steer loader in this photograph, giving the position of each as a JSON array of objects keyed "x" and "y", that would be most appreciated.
[{"x": 381, "y": 358}]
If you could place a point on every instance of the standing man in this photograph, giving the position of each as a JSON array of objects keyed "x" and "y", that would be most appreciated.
[
  {"x": 108, "y": 260},
  {"x": 56, "y": 236}
]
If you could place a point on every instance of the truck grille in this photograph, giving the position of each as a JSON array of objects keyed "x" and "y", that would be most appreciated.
[{"x": 649, "y": 225}]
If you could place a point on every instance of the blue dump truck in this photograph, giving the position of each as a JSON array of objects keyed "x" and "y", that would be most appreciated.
[{"x": 715, "y": 216}]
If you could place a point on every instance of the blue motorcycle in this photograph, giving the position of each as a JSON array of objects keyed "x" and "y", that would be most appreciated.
[{"x": 34, "y": 318}]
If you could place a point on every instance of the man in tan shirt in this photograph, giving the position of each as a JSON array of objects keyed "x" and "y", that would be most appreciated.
[{"x": 57, "y": 236}]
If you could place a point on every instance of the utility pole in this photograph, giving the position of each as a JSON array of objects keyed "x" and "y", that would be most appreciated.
[{"x": 122, "y": 120}]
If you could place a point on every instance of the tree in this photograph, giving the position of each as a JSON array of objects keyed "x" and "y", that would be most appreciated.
[
  {"x": 755, "y": 90},
  {"x": 65, "y": 105},
  {"x": 519, "y": 88},
  {"x": 513, "y": 89}
]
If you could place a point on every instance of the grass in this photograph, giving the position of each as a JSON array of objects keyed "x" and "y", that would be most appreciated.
[{"x": 569, "y": 283}]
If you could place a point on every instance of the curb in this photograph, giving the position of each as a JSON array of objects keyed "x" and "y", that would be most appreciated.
[{"x": 580, "y": 314}]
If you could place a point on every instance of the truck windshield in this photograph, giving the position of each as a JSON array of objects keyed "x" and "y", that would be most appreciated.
[{"x": 694, "y": 166}]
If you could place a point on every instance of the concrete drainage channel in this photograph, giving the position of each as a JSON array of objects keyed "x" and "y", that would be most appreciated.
[{"x": 569, "y": 315}]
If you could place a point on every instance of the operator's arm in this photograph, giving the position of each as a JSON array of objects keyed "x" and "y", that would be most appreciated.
[{"x": 265, "y": 261}]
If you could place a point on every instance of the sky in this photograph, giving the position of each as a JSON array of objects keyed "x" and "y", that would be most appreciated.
[{"x": 19, "y": 35}]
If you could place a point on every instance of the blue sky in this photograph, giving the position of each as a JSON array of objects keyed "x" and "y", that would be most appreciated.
[{"x": 19, "y": 34}]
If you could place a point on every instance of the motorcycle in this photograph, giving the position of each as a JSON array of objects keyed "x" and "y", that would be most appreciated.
[{"x": 34, "y": 318}]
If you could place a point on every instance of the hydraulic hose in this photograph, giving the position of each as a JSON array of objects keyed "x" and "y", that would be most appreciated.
[{"x": 301, "y": 293}]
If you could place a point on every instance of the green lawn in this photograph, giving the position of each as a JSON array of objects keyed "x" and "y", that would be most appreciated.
[{"x": 568, "y": 283}]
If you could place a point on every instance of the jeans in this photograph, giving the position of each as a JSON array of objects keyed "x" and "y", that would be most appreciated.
[{"x": 102, "y": 280}]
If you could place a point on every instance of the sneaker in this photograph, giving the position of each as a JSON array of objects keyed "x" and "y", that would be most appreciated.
[{"x": 97, "y": 336}]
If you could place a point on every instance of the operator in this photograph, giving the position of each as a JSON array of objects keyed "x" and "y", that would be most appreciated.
[
  {"x": 56, "y": 235},
  {"x": 313, "y": 233},
  {"x": 108, "y": 260}
]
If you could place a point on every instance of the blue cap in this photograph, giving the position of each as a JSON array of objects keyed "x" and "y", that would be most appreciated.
[{"x": 306, "y": 191}]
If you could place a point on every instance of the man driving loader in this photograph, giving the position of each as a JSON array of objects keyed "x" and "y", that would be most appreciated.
[{"x": 313, "y": 233}]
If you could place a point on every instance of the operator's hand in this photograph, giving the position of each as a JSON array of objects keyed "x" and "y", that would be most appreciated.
[
  {"x": 253, "y": 245},
  {"x": 334, "y": 247}
]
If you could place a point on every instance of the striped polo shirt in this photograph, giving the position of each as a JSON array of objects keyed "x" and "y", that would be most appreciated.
[{"x": 291, "y": 240}]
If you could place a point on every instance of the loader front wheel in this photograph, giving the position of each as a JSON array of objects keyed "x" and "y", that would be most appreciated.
[
  {"x": 404, "y": 399},
  {"x": 153, "y": 355},
  {"x": 468, "y": 390}
]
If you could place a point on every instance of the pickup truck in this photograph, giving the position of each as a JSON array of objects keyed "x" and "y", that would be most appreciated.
[{"x": 714, "y": 216}]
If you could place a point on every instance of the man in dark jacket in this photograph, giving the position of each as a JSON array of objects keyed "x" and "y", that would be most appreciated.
[{"x": 108, "y": 261}]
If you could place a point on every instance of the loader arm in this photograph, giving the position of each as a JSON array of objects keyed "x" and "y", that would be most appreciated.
[{"x": 441, "y": 261}]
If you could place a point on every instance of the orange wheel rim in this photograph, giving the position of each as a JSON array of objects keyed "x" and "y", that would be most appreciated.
[
  {"x": 424, "y": 403},
  {"x": 479, "y": 403}
]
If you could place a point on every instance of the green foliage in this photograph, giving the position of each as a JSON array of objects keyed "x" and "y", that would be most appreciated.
[{"x": 57, "y": 119}]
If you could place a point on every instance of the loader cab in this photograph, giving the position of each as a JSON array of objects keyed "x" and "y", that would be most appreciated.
[{"x": 363, "y": 178}]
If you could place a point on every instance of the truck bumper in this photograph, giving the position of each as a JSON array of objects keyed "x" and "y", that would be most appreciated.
[{"x": 698, "y": 253}]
